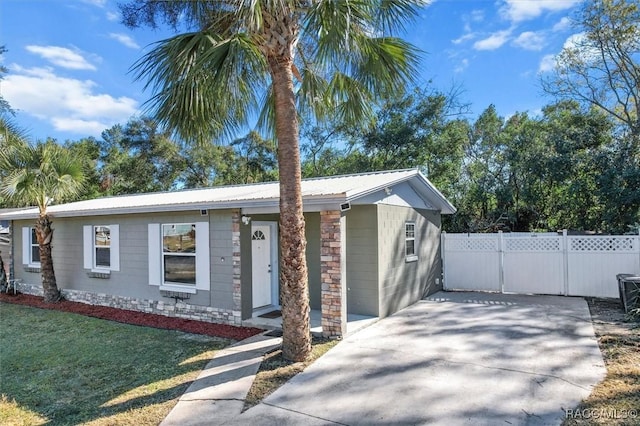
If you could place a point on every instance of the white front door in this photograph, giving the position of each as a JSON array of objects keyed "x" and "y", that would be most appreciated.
[{"x": 261, "y": 265}]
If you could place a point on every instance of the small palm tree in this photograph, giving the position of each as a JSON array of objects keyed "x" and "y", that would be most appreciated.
[
  {"x": 277, "y": 60},
  {"x": 37, "y": 175}
]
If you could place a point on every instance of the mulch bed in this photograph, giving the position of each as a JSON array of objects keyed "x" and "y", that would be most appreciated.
[{"x": 135, "y": 318}]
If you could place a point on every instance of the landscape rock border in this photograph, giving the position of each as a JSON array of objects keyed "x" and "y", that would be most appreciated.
[{"x": 135, "y": 318}]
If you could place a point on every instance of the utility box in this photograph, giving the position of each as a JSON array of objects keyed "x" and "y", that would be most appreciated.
[{"x": 629, "y": 289}]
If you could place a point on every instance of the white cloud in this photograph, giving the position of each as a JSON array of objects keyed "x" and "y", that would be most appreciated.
[
  {"x": 80, "y": 126},
  {"x": 574, "y": 41},
  {"x": 113, "y": 16},
  {"x": 99, "y": 3},
  {"x": 530, "y": 40},
  {"x": 547, "y": 63},
  {"x": 62, "y": 57},
  {"x": 494, "y": 41},
  {"x": 463, "y": 38},
  {"x": 477, "y": 15},
  {"x": 68, "y": 104},
  {"x": 125, "y": 39},
  {"x": 581, "y": 49},
  {"x": 461, "y": 66},
  {"x": 562, "y": 24},
  {"x": 523, "y": 10},
  {"x": 473, "y": 17}
]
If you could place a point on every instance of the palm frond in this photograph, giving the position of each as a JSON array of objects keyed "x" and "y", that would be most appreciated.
[
  {"x": 267, "y": 116},
  {"x": 385, "y": 64},
  {"x": 311, "y": 93},
  {"x": 392, "y": 16},
  {"x": 333, "y": 25},
  {"x": 40, "y": 174},
  {"x": 207, "y": 83},
  {"x": 10, "y": 133},
  {"x": 352, "y": 102},
  {"x": 205, "y": 86}
]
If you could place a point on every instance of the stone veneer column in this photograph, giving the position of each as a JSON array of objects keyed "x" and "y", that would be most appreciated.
[
  {"x": 235, "y": 238},
  {"x": 334, "y": 294}
]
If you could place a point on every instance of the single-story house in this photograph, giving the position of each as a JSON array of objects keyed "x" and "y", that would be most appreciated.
[{"x": 373, "y": 247}]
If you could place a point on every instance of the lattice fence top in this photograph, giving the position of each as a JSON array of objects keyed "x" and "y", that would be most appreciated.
[
  {"x": 617, "y": 244},
  {"x": 532, "y": 244},
  {"x": 472, "y": 244}
]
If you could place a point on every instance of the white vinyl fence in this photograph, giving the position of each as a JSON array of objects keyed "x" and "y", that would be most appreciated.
[{"x": 545, "y": 263}]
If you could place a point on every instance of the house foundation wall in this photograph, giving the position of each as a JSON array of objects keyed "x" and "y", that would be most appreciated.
[{"x": 149, "y": 306}]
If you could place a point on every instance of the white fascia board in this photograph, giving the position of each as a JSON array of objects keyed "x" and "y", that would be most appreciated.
[
  {"x": 317, "y": 203},
  {"x": 27, "y": 214},
  {"x": 359, "y": 194},
  {"x": 308, "y": 206},
  {"x": 433, "y": 196}
]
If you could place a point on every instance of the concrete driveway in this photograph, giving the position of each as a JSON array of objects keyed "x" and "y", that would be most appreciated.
[{"x": 455, "y": 358}]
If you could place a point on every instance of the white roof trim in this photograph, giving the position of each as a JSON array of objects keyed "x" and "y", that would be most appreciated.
[{"x": 316, "y": 192}]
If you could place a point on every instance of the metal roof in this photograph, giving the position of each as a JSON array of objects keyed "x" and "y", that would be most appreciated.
[{"x": 325, "y": 190}]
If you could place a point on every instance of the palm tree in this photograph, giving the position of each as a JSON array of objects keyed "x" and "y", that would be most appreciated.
[
  {"x": 276, "y": 60},
  {"x": 37, "y": 175}
]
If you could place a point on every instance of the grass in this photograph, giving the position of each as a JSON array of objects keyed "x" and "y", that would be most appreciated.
[
  {"x": 276, "y": 371},
  {"x": 59, "y": 368},
  {"x": 616, "y": 398}
]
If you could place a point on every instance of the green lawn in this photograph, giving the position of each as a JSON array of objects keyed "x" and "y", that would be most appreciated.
[{"x": 62, "y": 368}]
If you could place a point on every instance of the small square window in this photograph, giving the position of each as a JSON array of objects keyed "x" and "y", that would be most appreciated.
[{"x": 101, "y": 248}]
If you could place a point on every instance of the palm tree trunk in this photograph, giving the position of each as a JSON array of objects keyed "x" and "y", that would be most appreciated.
[
  {"x": 44, "y": 234},
  {"x": 296, "y": 342}
]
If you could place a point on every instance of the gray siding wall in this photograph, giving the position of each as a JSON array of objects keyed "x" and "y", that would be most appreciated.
[
  {"x": 312, "y": 221},
  {"x": 401, "y": 282},
  {"x": 133, "y": 278},
  {"x": 221, "y": 254},
  {"x": 362, "y": 260}
]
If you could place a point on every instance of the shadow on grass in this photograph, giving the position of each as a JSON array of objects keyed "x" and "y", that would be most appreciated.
[{"x": 73, "y": 369}]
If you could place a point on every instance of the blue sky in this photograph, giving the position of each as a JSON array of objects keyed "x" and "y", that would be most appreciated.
[{"x": 68, "y": 60}]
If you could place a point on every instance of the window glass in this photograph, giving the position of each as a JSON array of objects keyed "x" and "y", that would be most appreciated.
[
  {"x": 179, "y": 253},
  {"x": 410, "y": 239},
  {"x": 180, "y": 269},
  {"x": 102, "y": 246},
  {"x": 35, "y": 248},
  {"x": 179, "y": 238},
  {"x": 411, "y": 248}
]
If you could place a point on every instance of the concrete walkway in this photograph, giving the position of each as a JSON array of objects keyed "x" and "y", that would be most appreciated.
[
  {"x": 218, "y": 394},
  {"x": 455, "y": 358}
]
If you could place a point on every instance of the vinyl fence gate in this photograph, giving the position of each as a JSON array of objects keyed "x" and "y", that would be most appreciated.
[{"x": 541, "y": 263}]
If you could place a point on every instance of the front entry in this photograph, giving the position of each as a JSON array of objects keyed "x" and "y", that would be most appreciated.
[{"x": 263, "y": 265}]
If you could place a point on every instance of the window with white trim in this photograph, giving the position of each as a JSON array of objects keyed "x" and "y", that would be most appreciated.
[
  {"x": 179, "y": 253},
  {"x": 179, "y": 256},
  {"x": 30, "y": 248},
  {"x": 34, "y": 248},
  {"x": 410, "y": 252},
  {"x": 101, "y": 248}
]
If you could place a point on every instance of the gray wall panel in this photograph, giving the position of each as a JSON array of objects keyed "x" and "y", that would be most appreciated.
[
  {"x": 404, "y": 282},
  {"x": 312, "y": 229},
  {"x": 133, "y": 279},
  {"x": 361, "y": 263}
]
